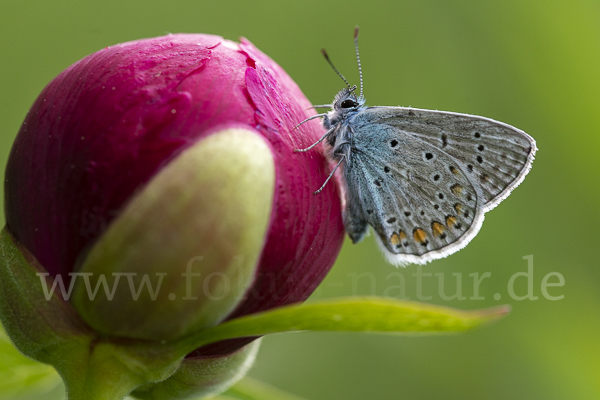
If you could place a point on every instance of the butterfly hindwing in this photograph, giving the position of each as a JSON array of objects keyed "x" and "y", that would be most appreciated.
[{"x": 419, "y": 202}]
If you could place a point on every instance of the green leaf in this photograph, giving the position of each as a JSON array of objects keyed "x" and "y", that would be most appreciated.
[
  {"x": 356, "y": 314},
  {"x": 19, "y": 374}
]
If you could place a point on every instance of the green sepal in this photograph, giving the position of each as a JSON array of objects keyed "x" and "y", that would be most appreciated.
[
  {"x": 49, "y": 331},
  {"x": 195, "y": 232},
  {"x": 199, "y": 377},
  {"x": 37, "y": 326}
]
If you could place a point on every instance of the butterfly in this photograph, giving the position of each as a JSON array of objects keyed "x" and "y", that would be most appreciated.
[{"x": 422, "y": 179}]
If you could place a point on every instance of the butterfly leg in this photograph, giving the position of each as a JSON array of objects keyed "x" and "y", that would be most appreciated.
[
  {"x": 310, "y": 118},
  {"x": 330, "y": 175},
  {"x": 314, "y": 144}
]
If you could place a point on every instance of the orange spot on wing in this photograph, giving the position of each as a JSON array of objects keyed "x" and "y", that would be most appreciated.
[
  {"x": 456, "y": 189},
  {"x": 438, "y": 229},
  {"x": 403, "y": 235},
  {"x": 395, "y": 239},
  {"x": 450, "y": 221},
  {"x": 458, "y": 207},
  {"x": 420, "y": 235}
]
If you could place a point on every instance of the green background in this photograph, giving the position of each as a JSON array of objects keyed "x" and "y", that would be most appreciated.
[{"x": 532, "y": 64}]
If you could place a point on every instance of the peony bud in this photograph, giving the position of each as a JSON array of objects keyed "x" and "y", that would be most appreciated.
[{"x": 165, "y": 158}]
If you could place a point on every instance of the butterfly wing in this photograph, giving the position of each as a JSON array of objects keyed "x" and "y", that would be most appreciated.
[
  {"x": 495, "y": 155},
  {"x": 419, "y": 183}
]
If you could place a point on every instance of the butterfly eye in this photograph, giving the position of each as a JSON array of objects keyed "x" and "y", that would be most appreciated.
[{"x": 348, "y": 103}]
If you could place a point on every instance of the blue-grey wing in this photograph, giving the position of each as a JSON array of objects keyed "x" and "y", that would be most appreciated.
[
  {"x": 419, "y": 201},
  {"x": 494, "y": 156}
]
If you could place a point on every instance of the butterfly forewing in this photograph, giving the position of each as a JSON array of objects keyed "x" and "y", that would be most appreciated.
[{"x": 495, "y": 156}]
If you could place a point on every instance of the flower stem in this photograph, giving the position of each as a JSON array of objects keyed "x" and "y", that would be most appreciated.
[{"x": 109, "y": 372}]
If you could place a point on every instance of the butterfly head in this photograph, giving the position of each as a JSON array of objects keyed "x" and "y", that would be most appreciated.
[{"x": 345, "y": 104}]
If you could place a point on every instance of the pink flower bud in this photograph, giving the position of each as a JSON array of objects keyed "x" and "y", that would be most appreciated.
[{"x": 103, "y": 128}]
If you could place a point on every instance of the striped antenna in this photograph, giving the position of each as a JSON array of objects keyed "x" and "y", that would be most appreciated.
[
  {"x": 358, "y": 59},
  {"x": 334, "y": 68}
]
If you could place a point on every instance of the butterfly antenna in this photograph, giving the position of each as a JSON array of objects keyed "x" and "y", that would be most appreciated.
[
  {"x": 334, "y": 68},
  {"x": 358, "y": 59}
]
